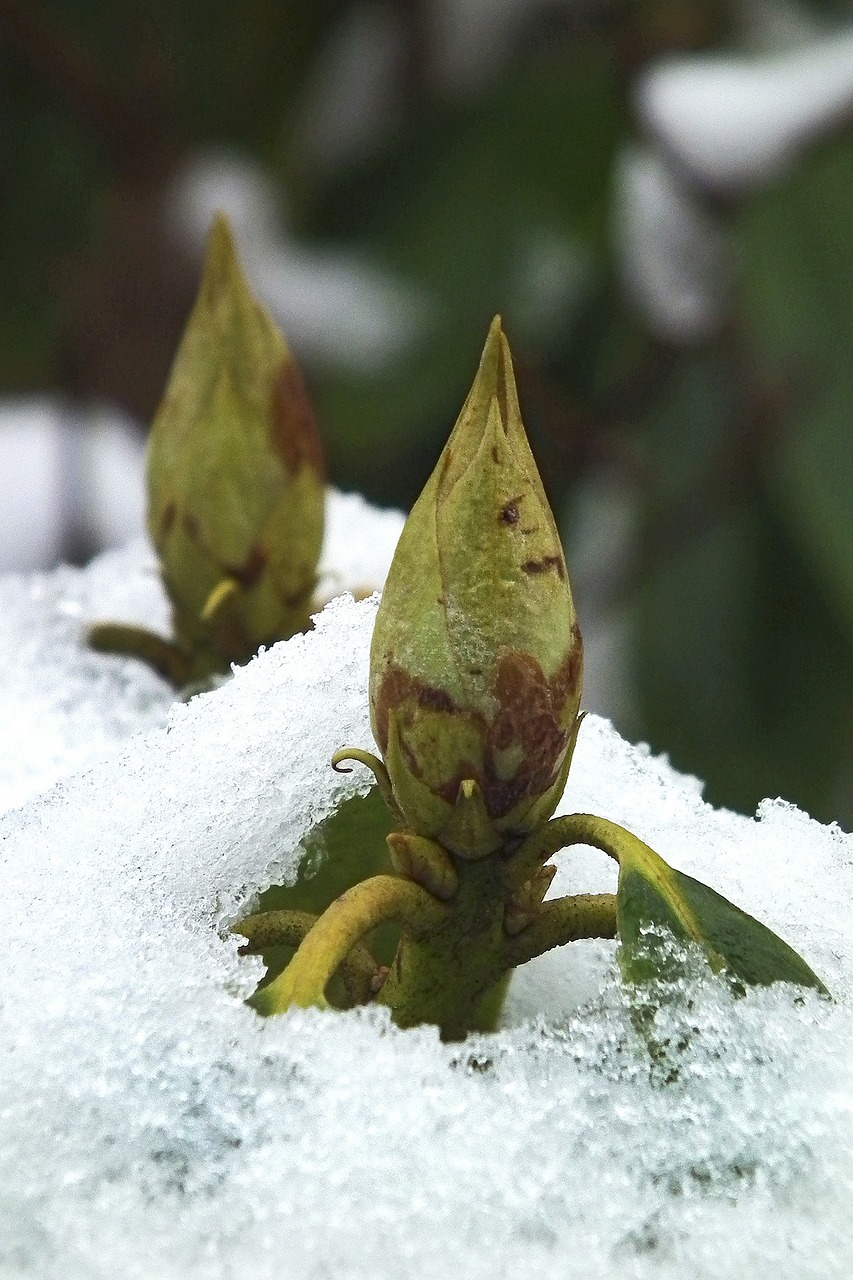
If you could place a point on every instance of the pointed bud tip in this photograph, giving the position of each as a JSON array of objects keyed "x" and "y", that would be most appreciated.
[
  {"x": 221, "y": 261},
  {"x": 495, "y": 378}
]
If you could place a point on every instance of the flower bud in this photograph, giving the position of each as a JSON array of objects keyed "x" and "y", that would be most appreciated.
[
  {"x": 235, "y": 474},
  {"x": 476, "y": 659}
]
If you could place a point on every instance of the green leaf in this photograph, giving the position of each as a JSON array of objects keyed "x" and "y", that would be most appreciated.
[
  {"x": 798, "y": 260},
  {"x": 652, "y": 895}
]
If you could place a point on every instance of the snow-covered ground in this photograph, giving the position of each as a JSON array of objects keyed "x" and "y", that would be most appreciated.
[{"x": 151, "y": 1125}]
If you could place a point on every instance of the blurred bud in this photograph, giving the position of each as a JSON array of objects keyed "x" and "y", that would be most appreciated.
[
  {"x": 235, "y": 475},
  {"x": 475, "y": 668}
]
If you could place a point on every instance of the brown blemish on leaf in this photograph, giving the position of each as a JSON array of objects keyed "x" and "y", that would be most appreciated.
[
  {"x": 294, "y": 434},
  {"x": 543, "y": 565},
  {"x": 496, "y": 455},
  {"x": 509, "y": 512}
]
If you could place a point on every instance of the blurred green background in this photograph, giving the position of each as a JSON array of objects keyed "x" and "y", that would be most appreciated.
[{"x": 471, "y": 157}]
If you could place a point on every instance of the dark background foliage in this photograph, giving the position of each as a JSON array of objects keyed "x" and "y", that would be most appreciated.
[{"x": 733, "y": 591}]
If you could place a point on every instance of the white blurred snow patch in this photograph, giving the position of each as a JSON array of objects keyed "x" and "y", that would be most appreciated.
[
  {"x": 113, "y": 471},
  {"x": 66, "y": 473},
  {"x": 672, "y": 246},
  {"x": 359, "y": 542},
  {"x": 31, "y": 485},
  {"x": 335, "y": 307},
  {"x": 152, "y": 1125},
  {"x": 352, "y": 100},
  {"x": 65, "y": 707},
  {"x": 736, "y": 122}
]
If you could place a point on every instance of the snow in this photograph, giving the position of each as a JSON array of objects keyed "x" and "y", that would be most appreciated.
[
  {"x": 64, "y": 474},
  {"x": 65, "y": 707},
  {"x": 736, "y": 122},
  {"x": 672, "y": 247},
  {"x": 152, "y": 1125}
]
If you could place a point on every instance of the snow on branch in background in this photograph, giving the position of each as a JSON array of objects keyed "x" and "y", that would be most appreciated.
[
  {"x": 714, "y": 126},
  {"x": 736, "y": 122}
]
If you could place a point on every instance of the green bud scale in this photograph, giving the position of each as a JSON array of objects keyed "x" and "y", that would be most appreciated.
[{"x": 476, "y": 660}]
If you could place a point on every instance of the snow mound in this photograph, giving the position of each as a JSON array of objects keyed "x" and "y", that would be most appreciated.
[
  {"x": 64, "y": 707},
  {"x": 152, "y": 1125}
]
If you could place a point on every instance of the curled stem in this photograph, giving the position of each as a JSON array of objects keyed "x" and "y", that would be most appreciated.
[
  {"x": 339, "y": 929},
  {"x": 358, "y": 969},
  {"x": 585, "y": 915},
  {"x": 378, "y": 770}
]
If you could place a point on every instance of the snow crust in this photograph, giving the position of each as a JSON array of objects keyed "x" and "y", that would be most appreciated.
[{"x": 151, "y": 1125}]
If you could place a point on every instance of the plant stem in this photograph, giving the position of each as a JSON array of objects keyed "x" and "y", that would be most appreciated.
[
  {"x": 267, "y": 929},
  {"x": 274, "y": 929},
  {"x": 585, "y": 915},
  {"x": 559, "y": 833},
  {"x": 344, "y": 924},
  {"x": 135, "y": 642},
  {"x": 444, "y": 976}
]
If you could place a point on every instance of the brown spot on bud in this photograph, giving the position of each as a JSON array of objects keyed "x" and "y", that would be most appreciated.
[
  {"x": 568, "y": 676},
  {"x": 532, "y": 715},
  {"x": 248, "y": 573},
  {"x": 398, "y": 687},
  {"x": 167, "y": 520},
  {"x": 294, "y": 434},
  {"x": 546, "y": 563}
]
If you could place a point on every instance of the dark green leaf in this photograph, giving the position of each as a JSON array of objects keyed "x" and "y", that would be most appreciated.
[{"x": 652, "y": 895}]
